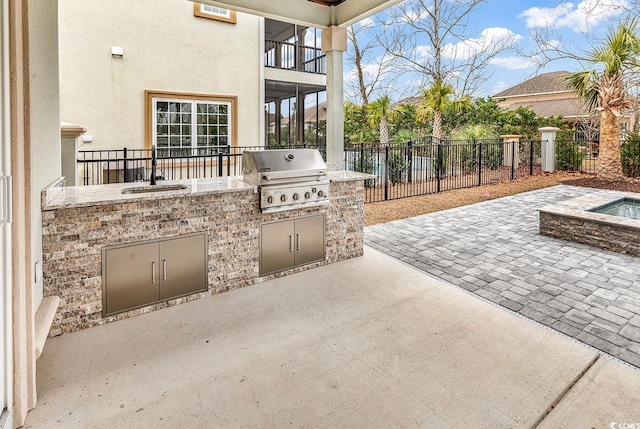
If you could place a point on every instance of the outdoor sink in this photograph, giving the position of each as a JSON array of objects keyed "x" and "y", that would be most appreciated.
[{"x": 153, "y": 188}]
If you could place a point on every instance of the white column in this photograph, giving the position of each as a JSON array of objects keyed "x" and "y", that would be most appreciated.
[
  {"x": 549, "y": 148},
  {"x": 334, "y": 44},
  {"x": 511, "y": 148}
]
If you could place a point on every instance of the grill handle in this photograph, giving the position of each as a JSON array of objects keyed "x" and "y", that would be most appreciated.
[{"x": 276, "y": 176}]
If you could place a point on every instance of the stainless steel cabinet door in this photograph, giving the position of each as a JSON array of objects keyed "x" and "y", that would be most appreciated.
[
  {"x": 276, "y": 246},
  {"x": 131, "y": 274},
  {"x": 183, "y": 266},
  {"x": 309, "y": 240}
]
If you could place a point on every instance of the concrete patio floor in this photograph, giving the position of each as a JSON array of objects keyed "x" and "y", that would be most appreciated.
[{"x": 364, "y": 343}]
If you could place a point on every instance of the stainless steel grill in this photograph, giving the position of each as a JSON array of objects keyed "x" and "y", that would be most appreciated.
[{"x": 287, "y": 178}]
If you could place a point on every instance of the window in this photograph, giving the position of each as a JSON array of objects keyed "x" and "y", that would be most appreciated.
[
  {"x": 214, "y": 12},
  {"x": 183, "y": 124}
]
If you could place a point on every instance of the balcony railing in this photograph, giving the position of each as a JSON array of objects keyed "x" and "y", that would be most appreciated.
[
  {"x": 97, "y": 167},
  {"x": 291, "y": 56}
]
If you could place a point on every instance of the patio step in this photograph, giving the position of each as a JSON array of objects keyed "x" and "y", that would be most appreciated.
[{"x": 44, "y": 318}]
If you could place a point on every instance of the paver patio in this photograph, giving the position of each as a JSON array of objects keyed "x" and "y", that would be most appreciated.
[{"x": 493, "y": 250}]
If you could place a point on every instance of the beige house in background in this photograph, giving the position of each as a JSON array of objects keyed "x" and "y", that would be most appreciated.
[
  {"x": 547, "y": 95},
  {"x": 181, "y": 76}
]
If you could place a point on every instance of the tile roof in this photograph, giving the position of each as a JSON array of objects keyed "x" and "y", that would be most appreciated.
[
  {"x": 567, "y": 107},
  {"x": 547, "y": 82}
]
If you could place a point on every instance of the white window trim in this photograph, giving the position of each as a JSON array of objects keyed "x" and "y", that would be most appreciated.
[
  {"x": 200, "y": 10},
  {"x": 194, "y": 120}
]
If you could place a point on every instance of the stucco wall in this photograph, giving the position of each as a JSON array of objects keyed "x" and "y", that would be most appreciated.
[
  {"x": 165, "y": 49},
  {"x": 44, "y": 120}
]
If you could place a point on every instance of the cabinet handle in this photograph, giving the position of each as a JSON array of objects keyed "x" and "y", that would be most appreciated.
[
  {"x": 153, "y": 272},
  {"x": 164, "y": 270},
  {"x": 298, "y": 242},
  {"x": 291, "y": 244}
]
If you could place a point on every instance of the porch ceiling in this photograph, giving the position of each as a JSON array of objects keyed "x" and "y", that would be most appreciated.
[{"x": 313, "y": 13}]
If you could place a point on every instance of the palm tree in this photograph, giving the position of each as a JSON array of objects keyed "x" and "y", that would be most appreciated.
[
  {"x": 604, "y": 89},
  {"x": 378, "y": 113},
  {"x": 435, "y": 100}
]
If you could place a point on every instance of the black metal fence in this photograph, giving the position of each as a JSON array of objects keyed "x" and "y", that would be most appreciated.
[
  {"x": 577, "y": 155},
  {"x": 98, "y": 167},
  {"x": 630, "y": 157},
  {"x": 419, "y": 167},
  {"x": 424, "y": 166}
]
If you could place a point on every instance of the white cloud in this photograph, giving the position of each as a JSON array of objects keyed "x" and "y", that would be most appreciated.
[
  {"x": 369, "y": 71},
  {"x": 367, "y": 22},
  {"x": 490, "y": 39},
  {"x": 578, "y": 17},
  {"x": 512, "y": 63},
  {"x": 499, "y": 87}
]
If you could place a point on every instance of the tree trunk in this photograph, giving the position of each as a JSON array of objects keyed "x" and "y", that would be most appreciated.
[
  {"x": 437, "y": 125},
  {"x": 384, "y": 132},
  {"x": 609, "y": 165}
]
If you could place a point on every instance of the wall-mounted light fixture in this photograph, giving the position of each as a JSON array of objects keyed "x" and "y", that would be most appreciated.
[
  {"x": 87, "y": 138},
  {"x": 117, "y": 52}
]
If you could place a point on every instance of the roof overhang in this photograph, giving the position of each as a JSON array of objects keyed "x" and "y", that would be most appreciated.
[{"x": 319, "y": 13}]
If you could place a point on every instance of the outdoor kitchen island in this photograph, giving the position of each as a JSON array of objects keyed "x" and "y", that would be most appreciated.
[{"x": 81, "y": 223}]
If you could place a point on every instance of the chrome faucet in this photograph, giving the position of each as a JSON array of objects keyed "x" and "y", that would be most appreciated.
[{"x": 153, "y": 165}]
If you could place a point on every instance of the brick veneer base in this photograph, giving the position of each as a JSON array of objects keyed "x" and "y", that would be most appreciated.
[{"x": 74, "y": 237}]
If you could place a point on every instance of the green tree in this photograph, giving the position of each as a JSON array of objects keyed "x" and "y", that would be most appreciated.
[
  {"x": 434, "y": 101},
  {"x": 604, "y": 88},
  {"x": 378, "y": 114},
  {"x": 356, "y": 128}
]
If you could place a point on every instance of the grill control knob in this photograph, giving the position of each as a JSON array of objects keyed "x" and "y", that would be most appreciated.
[
  {"x": 270, "y": 199},
  {"x": 314, "y": 190},
  {"x": 283, "y": 198},
  {"x": 320, "y": 194},
  {"x": 307, "y": 195},
  {"x": 296, "y": 196}
]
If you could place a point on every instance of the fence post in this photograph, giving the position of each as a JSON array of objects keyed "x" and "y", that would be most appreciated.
[
  {"x": 531, "y": 142},
  {"x": 549, "y": 148},
  {"x": 410, "y": 161},
  {"x": 386, "y": 173},
  {"x": 511, "y": 151},
  {"x": 439, "y": 165},
  {"x": 479, "y": 162},
  {"x": 219, "y": 164}
]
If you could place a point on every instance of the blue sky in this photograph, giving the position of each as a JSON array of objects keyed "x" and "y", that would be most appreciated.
[{"x": 571, "y": 24}]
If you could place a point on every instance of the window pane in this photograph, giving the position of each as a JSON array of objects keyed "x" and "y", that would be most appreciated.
[
  {"x": 202, "y": 108},
  {"x": 186, "y": 130},
  {"x": 163, "y": 142},
  {"x": 186, "y": 118},
  {"x": 213, "y": 108},
  {"x": 162, "y": 106},
  {"x": 213, "y": 131},
  {"x": 174, "y": 141},
  {"x": 162, "y": 130},
  {"x": 186, "y": 107},
  {"x": 222, "y": 119},
  {"x": 202, "y": 130},
  {"x": 223, "y": 109},
  {"x": 213, "y": 119},
  {"x": 162, "y": 118},
  {"x": 223, "y": 131}
]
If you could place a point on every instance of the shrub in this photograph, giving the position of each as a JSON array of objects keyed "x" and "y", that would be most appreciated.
[
  {"x": 568, "y": 156},
  {"x": 363, "y": 162},
  {"x": 630, "y": 156},
  {"x": 397, "y": 166}
]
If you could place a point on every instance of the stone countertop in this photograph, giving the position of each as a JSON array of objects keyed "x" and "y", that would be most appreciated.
[
  {"x": 348, "y": 176},
  {"x": 83, "y": 196},
  {"x": 56, "y": 197}
]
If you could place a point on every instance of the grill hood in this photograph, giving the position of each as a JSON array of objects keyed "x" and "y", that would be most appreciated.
[{"x": 283, "y": 166}]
